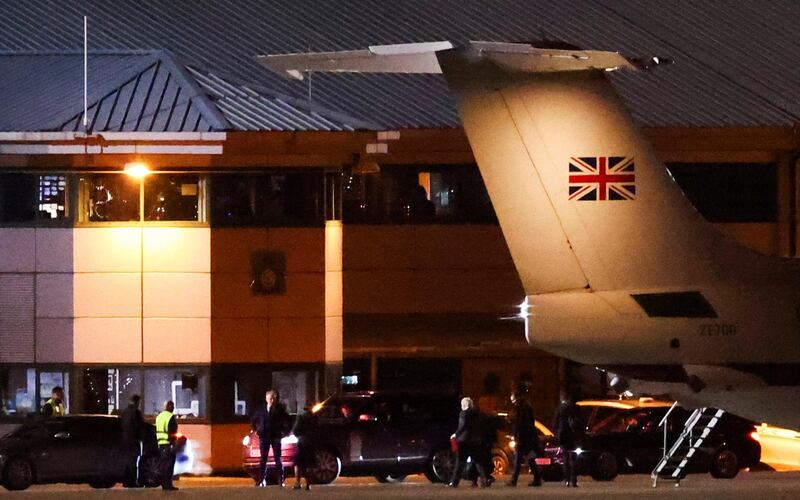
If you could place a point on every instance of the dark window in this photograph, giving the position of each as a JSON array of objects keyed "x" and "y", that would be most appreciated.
[
  {"x": 675, "y": 305},
  {"x": 17, "y": 391},
  {"x": 17, "y": 198},
  {"x": 171, "y": 197},
  {"x": 269, "y": 199},
  {"x": 417, "y": 195},
  {"x": 737, "y": 192},
  {"x": 112, "y": 197}
]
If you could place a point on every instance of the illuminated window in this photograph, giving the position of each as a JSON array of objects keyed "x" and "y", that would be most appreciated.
[
  {"x": 50, "y": 379},
  {"x": 185, "y": 386},
  {"x": 111, "y": 198},
  {"x": 52, "y": 191},
  {"x": 171, "y": 197},
  {"x": 17, "y": 391}
]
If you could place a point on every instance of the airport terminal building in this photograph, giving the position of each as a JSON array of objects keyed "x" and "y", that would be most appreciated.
[{"x": 324, "y": 233}]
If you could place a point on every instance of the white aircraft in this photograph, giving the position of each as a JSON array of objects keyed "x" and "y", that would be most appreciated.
[{"x": 619, "y": 269}]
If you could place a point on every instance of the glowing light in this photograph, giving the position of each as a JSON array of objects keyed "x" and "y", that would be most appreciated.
[
  {"x": 246, "y": 441},
  {"x": 317, "y": 407},
  {"x": 512, "y": 444},
  {"x": 136, "y": 169},
  {"x": 578, "y": 451},
  {"x": 290, "y": 439}
]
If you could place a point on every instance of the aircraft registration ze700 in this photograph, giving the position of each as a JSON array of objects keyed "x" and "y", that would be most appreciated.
[{"x": 619, "y": 270}]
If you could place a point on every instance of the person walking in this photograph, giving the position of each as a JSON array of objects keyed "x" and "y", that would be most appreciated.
[
  {"x": 270, "y": 422},
  {"x": 569, "y": 430},
  {"x": 304, "y": 458},
  {"x": 166, "y": 435},
  {"x": 133, "y": 426},
  {"x": 527, "y": 442},
  {"x": 468, "y": 436},
  {"x": 54, "y": 407}
]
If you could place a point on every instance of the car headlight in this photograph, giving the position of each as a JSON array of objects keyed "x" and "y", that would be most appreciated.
[
  {"x": 246, "y": 441},
  {"x": 290, "y": 439},
  {"x": 578, "y": 451},
  {"x": 512, "y": 444}
]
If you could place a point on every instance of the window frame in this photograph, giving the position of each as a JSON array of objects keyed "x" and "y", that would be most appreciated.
[{"x": 83, "y": 183}]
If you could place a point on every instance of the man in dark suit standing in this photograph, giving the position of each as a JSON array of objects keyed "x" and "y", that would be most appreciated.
[
  {"x": 270, "y": 422},
  {"x": 133, "y": 427}
]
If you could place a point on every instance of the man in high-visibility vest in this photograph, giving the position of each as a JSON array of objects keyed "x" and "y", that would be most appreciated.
[
  {"x": 166, "y": 434},
  {"x": 54, "y": 407}
]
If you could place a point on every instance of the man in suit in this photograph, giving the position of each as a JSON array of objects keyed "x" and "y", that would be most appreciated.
[
  {"x": 133, "y": 427},
  {"x": 468, "y": 435},
  {"x": 270, "y": 421}
]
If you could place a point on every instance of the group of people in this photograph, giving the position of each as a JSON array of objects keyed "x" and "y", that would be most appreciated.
[
  {"x": 475, "y": 437},
  {"x": 272, "y": 423},
  {"x": 134, "y": 433}
]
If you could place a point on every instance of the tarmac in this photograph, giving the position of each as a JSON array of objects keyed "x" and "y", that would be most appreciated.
[{"x": 762, "y": 484}]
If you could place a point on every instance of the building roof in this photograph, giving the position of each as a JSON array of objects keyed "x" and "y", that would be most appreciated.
[{"x": 735, "y": 66}]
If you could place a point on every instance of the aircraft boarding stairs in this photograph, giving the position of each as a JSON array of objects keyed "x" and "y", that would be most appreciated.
[{"x": 675, "y": 460}]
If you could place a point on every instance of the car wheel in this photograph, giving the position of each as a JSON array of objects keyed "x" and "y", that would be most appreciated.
[
  {"x": 149, "y": 475},
  {"x": 724, "y": 464},
  {"x": 327, "y": 467},
  {"x": 18, "y": 474},
  {"x": 102, "y": 484},
  {"x": 442, "y": 465},
  {"x": 499, "y": 464},
  {"x": 390, "y": 478},
  {"x": 605, "y": 467}
]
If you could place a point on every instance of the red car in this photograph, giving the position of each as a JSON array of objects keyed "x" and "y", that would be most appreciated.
[{"x": 251, "y": 456}]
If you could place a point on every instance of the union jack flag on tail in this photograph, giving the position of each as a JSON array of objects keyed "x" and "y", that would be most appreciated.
[{"x": 601, "y": 178}]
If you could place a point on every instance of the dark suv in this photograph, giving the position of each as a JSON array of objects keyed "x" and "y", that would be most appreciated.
[
  {"x": 71, "y": 449},
  {"x": 623, "y": 436},
  {"x": 384, "y": 435}
]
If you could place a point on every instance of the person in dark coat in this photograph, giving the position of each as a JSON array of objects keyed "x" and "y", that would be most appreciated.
[
  {"x": 133, "y": 427},
  {"x": 469, "y": 438},
  {"x": 270, "y": 422},
  {"x": 527, "y": 442},
  {"x": 569, "y": 428},
  {"x": 304, "y": 458}
]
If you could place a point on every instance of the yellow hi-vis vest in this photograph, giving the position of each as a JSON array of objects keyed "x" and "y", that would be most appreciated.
[
  {"x": 162, "y": 427},
  {"x": 58, "y": 409}
]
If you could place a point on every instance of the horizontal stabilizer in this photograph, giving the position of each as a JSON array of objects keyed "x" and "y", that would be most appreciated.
[{"x": 422, "y": 58}]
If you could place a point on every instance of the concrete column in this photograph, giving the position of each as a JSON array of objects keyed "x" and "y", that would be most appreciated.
[{"x": 333, "y": 306}]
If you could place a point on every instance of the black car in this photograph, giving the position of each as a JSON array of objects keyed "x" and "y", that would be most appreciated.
[
  {"x": 71, "y": 449},
  {"x": 624, "y": 437},
  {"x": 387, "y": 436}
]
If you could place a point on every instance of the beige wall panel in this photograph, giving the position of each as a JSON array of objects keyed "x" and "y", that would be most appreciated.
[
  {"x": 232, "y": 297},
  {"x": 177, "y": 249},
  {"x": 334, "y": 328},
  {"x": 107, "y": 340},
  {"x": 482, "y": 291},
  {"x": 54, "y": 340},
  {"x": 378, "y": 247},
  {"x": 231, "y": 248},
  {"x": 333, "y": 293},
  {"x": 460, "y": 247},
  {"x": 240, "y": 340},
  {"x": 107, "y": 295},
  {"x": 17, "y": 250},
  {"x": 54, "y": 250},
  {"x": 333, "y": 245},
  {"x": 177, "y": 295},
  {"x": 107, "y": 249},
  {"x": 297, "y": 340},
  {"x": 177, "y": 340},
  {"x": 382, "y": 291},
  {"x": 226, "y": 446},
  {"x": 54, "y": 297},
  {"x": 304, "y": 297},
  {"x": 304, "y": 247}
]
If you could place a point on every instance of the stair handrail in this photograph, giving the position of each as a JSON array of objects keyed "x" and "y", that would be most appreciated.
[{"x": 664, "y": 424}]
